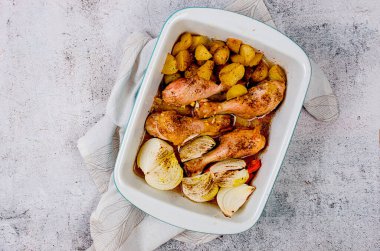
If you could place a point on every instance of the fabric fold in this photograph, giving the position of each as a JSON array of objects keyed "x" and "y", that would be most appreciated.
[
  {"x": 136, "y": 54},
  {"x": 98, "y": 148},
  {"x": 320, "y": 100}
]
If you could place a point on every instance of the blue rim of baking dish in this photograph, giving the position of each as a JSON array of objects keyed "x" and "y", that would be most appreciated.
[{"x": 142, "y": 80}]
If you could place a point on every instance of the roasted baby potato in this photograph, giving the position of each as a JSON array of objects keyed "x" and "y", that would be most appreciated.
[
  {"x": 172, "y": 77},
  {"x": 170, "y": 66},
  {"x": 201, "y": 53},
  {"x": 215, "y": 44},
  {"x": 221, "y": 55},
  {"x": 231, "y": 74},
  {"x": 256, "y": 59},
  {"x": 260, "y": 73},
  {"x": 183, "y": 59},
  {"x": 237, "y": 58},
  {"x": 234, "y": 44},
  {"x": 183, "y": 44},
  {"x": 205, "y": 71},
  {"x": 236, "y": 91},
  {"x": 197, "y": 40},
  {"x": 247, "y": 52},
  {"x": 191, "y": 71},
  {"x": 277, "y": 73}
]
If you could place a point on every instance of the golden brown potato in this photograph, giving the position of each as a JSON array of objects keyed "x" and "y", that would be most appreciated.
[
  {"x": 260, "y": 73},
  {"x": 183, "y": 59},
  {"x": 277, "y": 73},
  {"x": 237, "y": 59},
  {"x": 247, "y": 52},
  {"x": 205, "y": 71},
  {"x": 183, "y": 44},
  {"x": 236, "y": 91},
  {"x": 221, "y": 55},
  {"x": 191, "y": 71},
  {"x": 215, "y": 44},
  {"x": 170, "y": 66},
  {"x": 201, "y": 53},
  {"x": 170, "y": 78},
  {"x": 197, "y": 40},
  {"x": 256, "y": 59},
  {"x": 234, "y": 44},
  {"x": 231, "y": 74}
]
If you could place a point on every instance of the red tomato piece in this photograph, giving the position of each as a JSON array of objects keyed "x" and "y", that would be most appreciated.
[{"x": 254, "y": 165}]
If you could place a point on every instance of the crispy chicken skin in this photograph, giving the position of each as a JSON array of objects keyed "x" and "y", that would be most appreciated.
[
  {"x": 183, "y": 91},
  {"x": 173, "y": 127},
  {"x": 259, "y": 101},
  {"x": 235, "y": 144}
]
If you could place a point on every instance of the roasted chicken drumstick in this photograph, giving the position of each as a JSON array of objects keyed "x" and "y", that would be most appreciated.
[
  {"x": 259, "y": 101},
  {"x": 184, "y": 91},
  {"x": 171, "y": 126},
  {"x": 235, "y": 144}
]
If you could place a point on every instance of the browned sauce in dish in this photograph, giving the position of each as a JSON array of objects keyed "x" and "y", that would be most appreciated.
[{"x": 226, "y": 71}]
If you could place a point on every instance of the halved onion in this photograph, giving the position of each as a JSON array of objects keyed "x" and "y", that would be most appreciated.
[
  {"x": 165, "y": 178},
  {"x": 231, "y": 178},
  {"x": 196, "y": 148},
  {"x": 157, "y": 160},
  {"x": 227, "y": 165},
  {"x": 147, "y": 156},
  {"x": 231, "y": 199},
  {"x": 200, "y": 188}
]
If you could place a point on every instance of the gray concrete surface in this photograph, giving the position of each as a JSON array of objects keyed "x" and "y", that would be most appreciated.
[{"x": 57, "y": 64}]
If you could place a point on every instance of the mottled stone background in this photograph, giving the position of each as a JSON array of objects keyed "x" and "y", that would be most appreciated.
[{"x": 58, "y": 61}]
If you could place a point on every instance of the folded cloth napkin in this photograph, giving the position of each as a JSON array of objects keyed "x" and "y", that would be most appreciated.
[{"x": 116, "y": 224}]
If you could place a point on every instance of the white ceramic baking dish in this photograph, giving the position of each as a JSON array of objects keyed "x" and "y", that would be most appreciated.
[{"x": 172, "y": 207}]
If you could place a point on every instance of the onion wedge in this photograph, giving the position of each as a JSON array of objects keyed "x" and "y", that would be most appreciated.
[
  {"x": 200, "y": 188},
  {"x": 231, "y": 178},
  {"x": 196, "y": 148},
  {"x": 231, "y": 199},
  {"x": 227, "y": 165},
  {"x": 157, "y": 160}
]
